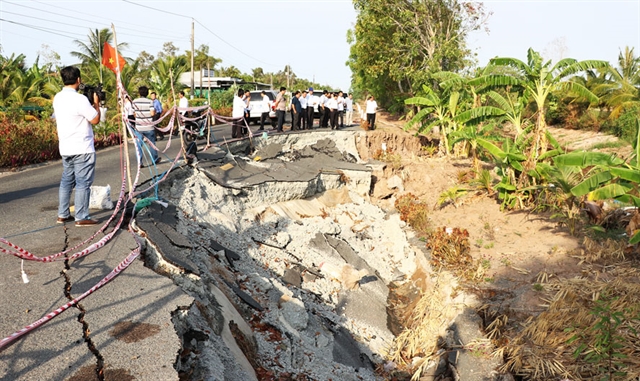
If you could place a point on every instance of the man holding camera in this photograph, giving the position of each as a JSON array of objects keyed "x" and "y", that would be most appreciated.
[{"x": 75, "y": 116}]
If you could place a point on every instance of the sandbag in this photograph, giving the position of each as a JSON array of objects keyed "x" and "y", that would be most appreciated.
[{"x": 100, "y": 197}]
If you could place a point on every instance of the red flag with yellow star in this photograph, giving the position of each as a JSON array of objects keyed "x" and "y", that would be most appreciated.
[{"x": 109, "y": 58}]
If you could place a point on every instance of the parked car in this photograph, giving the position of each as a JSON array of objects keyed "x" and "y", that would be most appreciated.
[{"x": 255, "y": 102}]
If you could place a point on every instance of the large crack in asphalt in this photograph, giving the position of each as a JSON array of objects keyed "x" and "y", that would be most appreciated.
[{"x": 86, "y": 331}]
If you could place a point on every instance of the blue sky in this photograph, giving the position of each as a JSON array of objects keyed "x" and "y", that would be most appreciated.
[{"x": 308, "y": 35}]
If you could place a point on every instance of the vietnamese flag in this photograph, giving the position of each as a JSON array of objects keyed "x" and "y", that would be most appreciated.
[{"x": 109, "y": 58}]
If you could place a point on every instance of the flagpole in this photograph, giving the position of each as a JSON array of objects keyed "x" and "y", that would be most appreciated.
[
  {"x": 123, "y": 118},
  {"x": 101, "y": 51}
]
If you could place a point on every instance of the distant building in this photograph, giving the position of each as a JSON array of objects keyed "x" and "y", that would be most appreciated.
[{"x": 205, "y": 80}]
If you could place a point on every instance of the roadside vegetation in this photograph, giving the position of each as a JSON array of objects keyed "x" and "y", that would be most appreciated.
[{"x": 498, "y": 116}]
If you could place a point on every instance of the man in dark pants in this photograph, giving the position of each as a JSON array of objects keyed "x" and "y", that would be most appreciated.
[
  {"x": 237, "y": 114},
  {"x": 303, "y": 114},
  {"x": 312, "y": 101},
  {"x": 296, "y": 109},
  {"x": 321, "y": 109},
  {"x": 281, "y": 108},
  {"x": 371, "y": 108},
  {"x": 265, "y": 108}
]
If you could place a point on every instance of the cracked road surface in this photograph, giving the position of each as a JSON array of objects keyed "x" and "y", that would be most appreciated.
[{"x": 114, "y": 333}]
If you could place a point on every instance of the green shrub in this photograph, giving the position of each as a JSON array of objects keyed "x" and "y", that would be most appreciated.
[
  {"x": 27, "y": 142},
  {"x": 625, "y": 126},
  {"x": 36, "y": 141}
]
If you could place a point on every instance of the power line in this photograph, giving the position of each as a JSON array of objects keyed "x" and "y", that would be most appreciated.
[
  {"x": 202, "y": 25},
  {"x": 100, "y": 19},
  {"x": 48, "y": 30},
  {"x": 157, "y": 10}
]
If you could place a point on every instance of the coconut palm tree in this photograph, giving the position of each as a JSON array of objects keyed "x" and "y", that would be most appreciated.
[
  {"x": 90, "y": 53},
  {"x": 10, "y": 69},
  {"x": 622, "y": 87},
  {"x": 537, "y": 80},
  {"x": 165, "y": 72}
]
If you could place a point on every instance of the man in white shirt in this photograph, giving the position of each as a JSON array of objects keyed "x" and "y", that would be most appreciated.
[
  {"x": 265, "y": 107},
  {"x": 371, "y": 109},
  {"x": 237, "y": 114},
  {"x": 321, "y": 108},
  {"x": 348, "y": 101},
  {"x": 74, "y": 119},
  {"x": 332, "y": 106},
  {"x": 327, "y": 114},
  {"x": 303, "y": 115},
  {"x": 183, "y": 103},
  {"x": 312, "y": 103},
  {"x": 341, "y": 108}
]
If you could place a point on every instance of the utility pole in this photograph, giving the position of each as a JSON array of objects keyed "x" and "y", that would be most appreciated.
[
  {"x": 288, "y": 74},
  {"x": 192, "y": 54}
]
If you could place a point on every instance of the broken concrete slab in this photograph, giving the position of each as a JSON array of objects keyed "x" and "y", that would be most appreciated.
[
  {"x": 270, "y": 151},
  {"x": 467, "y": 362}
]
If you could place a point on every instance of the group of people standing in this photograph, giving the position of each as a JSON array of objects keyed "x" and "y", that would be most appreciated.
[{"x": 333, "y": 109}]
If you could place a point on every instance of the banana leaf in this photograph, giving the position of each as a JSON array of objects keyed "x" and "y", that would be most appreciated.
[
  {"x": 630, "y": 199},
  {"x": 586, "y": 159},
  {"x": 610, "y": 191},
  {"x": 552, "y": 153},
  {"x": 632, "y": 175},
  {"x": 493, "y": 149},
  {"x": 591, "y": 183}
]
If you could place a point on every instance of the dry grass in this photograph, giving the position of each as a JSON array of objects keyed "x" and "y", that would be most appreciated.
[
  {"x": 450, "y": 249},
  {"x": 543, "y": 349},
  {"x": 414, "y": 212},
  {"x": 602, "y": 251},
  {"x": 417, "y": 346}
]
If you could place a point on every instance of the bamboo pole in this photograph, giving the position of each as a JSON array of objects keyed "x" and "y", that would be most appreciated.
[
  {"x": 124, "y": 123},
  {"x": 173, "y": 92}
]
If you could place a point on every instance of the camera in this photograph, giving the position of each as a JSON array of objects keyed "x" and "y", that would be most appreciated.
[{"x": 89, "y": 90}]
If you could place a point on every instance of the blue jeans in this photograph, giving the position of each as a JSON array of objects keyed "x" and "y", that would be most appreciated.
[
  {"x": 151, "y": 136},
  {"x": 77, "y": 172}
]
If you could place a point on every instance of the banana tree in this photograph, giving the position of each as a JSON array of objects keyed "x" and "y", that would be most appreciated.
[
  {"x": 611, "y": 178},
  {"x": 509, "y": 161},
  {"x": 511, "y": 110},
  {"x": 537, "y": 80},
  {"x": 435, "y": 111}
]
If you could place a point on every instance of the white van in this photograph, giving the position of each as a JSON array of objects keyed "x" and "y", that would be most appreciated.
[{"x": 255, "y": 102}]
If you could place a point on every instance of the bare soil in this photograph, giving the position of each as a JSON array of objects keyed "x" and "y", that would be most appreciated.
[{"x": 509, "y": 241}]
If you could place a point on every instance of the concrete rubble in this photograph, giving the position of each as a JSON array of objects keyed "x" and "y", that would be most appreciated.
[{"x": 287, "y": 261}]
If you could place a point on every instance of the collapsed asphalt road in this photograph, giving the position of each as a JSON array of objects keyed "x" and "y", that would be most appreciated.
[{"x": 285, "y": 259}]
